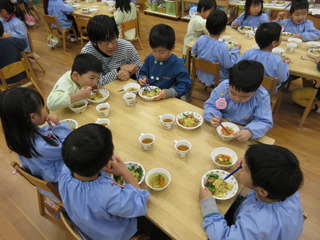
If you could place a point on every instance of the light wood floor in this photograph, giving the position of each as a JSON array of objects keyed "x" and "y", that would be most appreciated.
[{"x": 19, "y": 215}]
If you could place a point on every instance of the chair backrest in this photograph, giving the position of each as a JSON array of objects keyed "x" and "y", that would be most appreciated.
[
  {"x": 205, "y": 66},
  {"x": 270, "y": 84},
  {"x": 22, "y": 7},
  {"x": 50, "y": 21},
  {"x": 132, "y": 24},
  {"x": 82, "y": 24}
]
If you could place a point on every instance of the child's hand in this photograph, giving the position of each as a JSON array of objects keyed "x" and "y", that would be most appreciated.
[
  {"x": 243, "y": 135},
  {"x": 281, "y": 16},
  {"x": 238, "y": 46},
  {"x": 161, "y": 95},
  {"x": 297, "y": 36},
  {"x": 204, "y": 193},
  {"x": 143, "y": 80},
  {"x": 131, "y": 68},
  {"x": 240, "y": 162},
  {"x": 123, "y": 75},
  {"x": 317, "y": 59},
  {"x": 236, "y": 24},
  {"x": 116, "y": 166},
  {"x": 52, "y": 120},
  {"x": 85, "y": 92},
  {"x": 286, "y": 60},
  {"x": 215, "y": 121}
]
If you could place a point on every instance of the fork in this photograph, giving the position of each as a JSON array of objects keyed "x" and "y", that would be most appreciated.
[{"x": 304, "y": 58}]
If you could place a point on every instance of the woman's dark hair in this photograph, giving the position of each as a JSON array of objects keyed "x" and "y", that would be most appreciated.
[
  {"x": 206, "y": 5},
  {"x": 87, "y": 149},
  {"x": 275, "y": 169},
  {"x": 124, "y": 5},
  {"x": 16, "y": 105},
  {"x": 162, "y": 35},
  {"x": 267, "y": 33},
  {"x": 299, "y": 4},
  {"x": 86, "y": 62},
  {"x": 12, "y": 8},
  {"x": 216, "y": 22},
  {"x": 248, "y": 4},
  {"x": 102, "y": 28},
  {"x": 246, "y": 76}
]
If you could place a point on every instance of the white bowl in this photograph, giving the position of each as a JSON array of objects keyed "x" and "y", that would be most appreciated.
[
  {"x": 313, "y": 44},
  {"x": 79, "y": 106},
  {"x": 105, "y": 94},
  {"x": 104, "y": 122},
  {"x": 225, "y": 151},
  {"x": 132, "y": 166},
  {"x": 132, "y": 87},
  {"x": 278, "y": 51},
  {"x": 286, "y": 35},
  {"x": 93, "y": 10},
  {"x": 71, "y": 122},
  {"x": 277, "y": 4},
  {"x": 144, "y": 90},
  {"x": 294, "y": 40},
  {"x": 314, "y": 53},
  {"x": 222, "y": 174},
  {"x": 75, "y": 6},
  {"x": 231, "y": 44},
  {"x": 184, "y": 115},
  {"x": 243, "y": 29},
  {"x": 234, "y": 127},
  {"x": 153, "y": 172},
  {"x": 242, "y": 1}
]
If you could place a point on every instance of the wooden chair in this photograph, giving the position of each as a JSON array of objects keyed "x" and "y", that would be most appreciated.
[
  {"x": 132, "y": 24},
  {"x": 62, "y": 32},
  {"x": 270, "y": 84},
  {"x": 43, "y": 184},
  {"x": 16, "y": 68},
  {"x": 206, "y": 66},
  {"x": 33, "y": 10},
  {"x": 32, "y": 54},
  {"x": 82, "y": 24}
]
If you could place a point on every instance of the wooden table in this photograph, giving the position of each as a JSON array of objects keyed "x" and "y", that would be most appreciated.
[
  {"x": 265, "y": 6},
  {"x": 176, "y": 209},
  {"x": 299, "y": 67},
  {"x": 102, "y": 9}
]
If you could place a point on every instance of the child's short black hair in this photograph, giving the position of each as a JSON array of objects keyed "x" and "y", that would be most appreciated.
[
  {"x": 248, "y": 4},
  {"x": 102, "y": 28},
  {"x": 216, "y": 22},
  {"x": 1, "y": 29},
  {"x": 246, "y": 76},
  {"x": 299, "y": 4},
  {"x": 267, "y": 33},
  {"x": 88, "y": 149},
  {"x": 86, "y": 62},
  {"x": 206, "y": 5},
  {"x": 275, "y": 169},
  {"x": 162, "y": 35}
]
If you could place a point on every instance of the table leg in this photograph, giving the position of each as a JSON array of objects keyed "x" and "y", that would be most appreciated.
[{"x": 308, "y": 107}]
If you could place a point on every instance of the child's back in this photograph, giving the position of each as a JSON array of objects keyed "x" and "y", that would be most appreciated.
[
  {"x": 61, "y": 10},
  {"x": 125, "y": 13}
]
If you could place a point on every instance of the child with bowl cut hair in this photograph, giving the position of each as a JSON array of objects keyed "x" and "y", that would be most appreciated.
[
  {"x": 162, "y": 68},
  {"x": 268, "y": 36},
  {"x": 213, "y": 50},
  {"x": 242, "y": 100},
  {"x": 272, "y": 209},
  {"x": 101, "y": 208}
]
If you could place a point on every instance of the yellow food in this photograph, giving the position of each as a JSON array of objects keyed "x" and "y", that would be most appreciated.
[
  {"x": 287, "y": 34},
  {"x": 217, "y": 186},
  {"x": 315, "y": 52},
  {"x": 132, "y": 89},
  {"x": 78, "y": 105},
  {"x": 96, "y": 96},
  {"x": 188, "y": 120}
]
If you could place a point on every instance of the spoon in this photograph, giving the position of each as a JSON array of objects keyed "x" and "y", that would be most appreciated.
[{"x": 304, "y": 58}]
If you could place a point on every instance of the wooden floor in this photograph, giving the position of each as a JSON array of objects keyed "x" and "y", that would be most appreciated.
[{"x": 19, "y": 215}]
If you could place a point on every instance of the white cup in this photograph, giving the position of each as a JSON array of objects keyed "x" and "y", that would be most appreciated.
[
  {"x": 130, "y": 99},
  {"x": 103, "y": 109},
  {"x": 249, "y": 34},
  {"x": 182, "y": 147},
  {"x": 167, "y": 120},
  {"x": 104, "y": 122},
  {"x": 291, "y": 47},
  {"x": 226, "y": 38},
  {"x": 147, "y": 141}
]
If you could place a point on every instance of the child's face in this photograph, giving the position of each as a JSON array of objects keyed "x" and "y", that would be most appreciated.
[
  {"x": 238, "y": 96},
  {"x": 245, "y": 176},
  {"x": 206, "y": 13},
  {"x": 108, "y": 47},
  {"x": 255, "y": 9},
  {"x": 161, "y": 53},
  {"x": 87, "y": 79},
  {"x": 298, "y": 16},
  {"x": 39, "y": 119}
]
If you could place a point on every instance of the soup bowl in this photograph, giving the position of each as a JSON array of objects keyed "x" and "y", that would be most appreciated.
[{"x": 158, "y": 179}]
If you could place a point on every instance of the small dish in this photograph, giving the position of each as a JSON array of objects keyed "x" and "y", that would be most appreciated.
[
  {"x": 294, "y": 40},
  {"x": 149, "y": 95},
  {"x": 158, "y": 179},
  {"x": 229, "y": 126},
  {"x": 194, "y": 119},
  {"x": 99, "y": 96},
  {"x": 231, "y": 44},
  {"x": 243, "y": 29},
  {"x": 71, "y": 122},
  {"x": 132, "y": 87},
  {"x": 224, "y": 157},
  {"x": 79, "y": 106},
  {"x": 313, "y": 44},
  {"x": 278, "y": 51},
  {"x": 314, "y": 53}
]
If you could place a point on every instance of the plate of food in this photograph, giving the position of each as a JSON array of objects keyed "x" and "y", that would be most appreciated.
[
  {"x": 221, "y": 190},
  {"x": 286, "y": 35},
  {"x": 314, "y": 53},
  {"x": 150, "y": 93},
  {"x": 231, "y": 44},
  {"x": 313, "y": 44},
  {"x": 224, "y": 157},
  {"x": 279, "y": 3},
  {"x": 267, "y": 2},
  {"x": 137, "y": 171},
  {"x": 243, "y": 29},
  {"x": 189, "y": 120},
  {"x": 99, "y": 95}
]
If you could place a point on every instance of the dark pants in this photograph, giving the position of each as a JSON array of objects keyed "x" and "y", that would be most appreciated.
[{"x": 147, "y": 227}]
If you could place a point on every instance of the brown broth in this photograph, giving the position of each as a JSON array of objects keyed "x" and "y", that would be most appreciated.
[
  {"x": 183, "y": 148},
  {"x": 167, "y": 120},
  {"x": 103, "y": 109},
  {"x": 104, "y": 124},
  {"x": 129, "y": 98},
  {"x": 147, "y": 140}
]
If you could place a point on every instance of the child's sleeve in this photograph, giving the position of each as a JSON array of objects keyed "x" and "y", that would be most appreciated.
[
  {"x": 118, "y": 16},
  {"x": 228, "y": 59},
  {"x": 210, "y": 104},
  {"x": 264, "y": 18},
  {"x": 282, "y": 71},
  {"x": 20, "y": 30},
  {"x": 311, "y": 33},
  {"x": 239, "y": 19},
  {"x": 66, "y": 8},
  {"x": 183, "y": 81},
  {"x": 194, "y": 50}
]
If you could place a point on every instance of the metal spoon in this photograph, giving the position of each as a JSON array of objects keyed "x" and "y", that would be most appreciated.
[{"x": 304, "y": 58}]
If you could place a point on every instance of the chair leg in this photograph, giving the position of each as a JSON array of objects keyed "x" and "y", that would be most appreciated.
[
  {"x": 42, "y": 210},
  {"x": 64, "y": 40},
  {"x": 140, "y": 42},
  {"x": 36, "y": 86},
  {"x": 39, "y": 65}
]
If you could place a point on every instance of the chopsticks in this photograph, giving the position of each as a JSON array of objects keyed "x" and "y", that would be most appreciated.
[
  {"x": 234, "y": 171},
  {"x": 147, "y": 86},
  {"x": 287, "y": 6},
  {"x": 222, "y": 125}
]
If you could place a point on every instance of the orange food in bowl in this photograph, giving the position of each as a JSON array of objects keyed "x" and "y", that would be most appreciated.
[{"x": 230, "y": 131}]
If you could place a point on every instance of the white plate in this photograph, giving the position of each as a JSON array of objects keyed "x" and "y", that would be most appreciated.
[
  {"x": 226, "y": 151},
  {"x": 105, "y": 94},
  {"x": 222, "y": 174},
  {"x": 135, "y": 165},
  {"x": 243, "y": 29},
  {"x": 196, "y": 115},
  {"x": 71, "y": 122},
  {"x": 310, "y": 51},
  {"x": 145, "y": 97}
]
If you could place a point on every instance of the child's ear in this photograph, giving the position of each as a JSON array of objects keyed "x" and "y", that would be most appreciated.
[
  {"x": 275, "y": 44},
  {"x": 173, "y": 48},
  {"x": 202, "y": 9},
  {"x": 75, "y": 76},
  {"x": 33, "y": 117},
  {"x": 262, "y": 192}
]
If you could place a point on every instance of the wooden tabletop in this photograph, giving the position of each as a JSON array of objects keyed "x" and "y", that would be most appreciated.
[
  {"x": 271, "y": 5},
  {"x": 176, "y": 209},
  {"x": 102, "y": 9}
]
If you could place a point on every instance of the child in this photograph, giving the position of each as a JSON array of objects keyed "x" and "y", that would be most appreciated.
[
  {"x": 268, "y": 36},
  {"x": 13, "y": 22},
  {"x": 242, "y": 100},
  {"x": 272, "y": 209},
  {"x": 197, "y": 24},
  {"x": 252, "y": 15},
  {"x": 125, "y": 11},
  {"x": 162, "y": 68},
  {"x": 22, "y": 111},
  {"x": 101, "y": 208},
  {"x": 213, "y": 50},
  {"x": 298, "y": 24},
  {"x": 76, "y": 84},
  {"x": 119, "y": 58}
]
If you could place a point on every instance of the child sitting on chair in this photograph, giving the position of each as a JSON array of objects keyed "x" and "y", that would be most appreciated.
[
  {"x": 242, "y": 100},
  {"x": 76, "y": 84},
  {"x": 162, "y": 68},
  {"x": 213, "y": 50},
  {"x": 298, "y": 24},
  {"x": 268, "y": 36},
  {"x": 272, "y": 209},
  {"x": 100, "y": 207}
]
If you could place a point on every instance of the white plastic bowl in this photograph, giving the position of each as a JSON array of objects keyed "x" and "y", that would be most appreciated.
[
  {"x": 81, "y": 109},
  {"x": 132, "y": 85},
  {"x": 230, "y": 125},
  {"x": 196, "y": 115},
  {"x": 71, "y": 122},
  {"x": 144, "y": 96},
  {"x": 243, "y": 29},
  {"x": 313, "y": 44},
  {"x": 295, "y": 40},
  {"x": 76, "y": 6},
  {"x": 135, "y": 165},
  {"x": 105, "y": 94},
  {"x": 93, "y": 10},
  {"x": 158, "y": 170},
  {"x": 226, "y": 151},
  {"x": 278, "y": 51},
  {"x": 314, "y": 53}
]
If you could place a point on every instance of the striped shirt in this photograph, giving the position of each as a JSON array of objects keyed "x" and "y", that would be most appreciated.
[{"x": 125, "y": 54}]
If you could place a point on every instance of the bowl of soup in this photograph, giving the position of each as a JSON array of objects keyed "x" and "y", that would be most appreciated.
[
  {"x": 158, "y": 179},
  {"x": 294, "y": 40},
  {"x": 231, "y": 128},
  {"x": 224, "y": 157},
  {"x": 132, "y": 88},
  {"x": 79, "y": 106}
]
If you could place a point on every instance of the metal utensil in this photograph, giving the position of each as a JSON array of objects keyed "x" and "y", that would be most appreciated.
[
  {"x": 304, "y": 58},
  {"x": 121, "y": 90}
]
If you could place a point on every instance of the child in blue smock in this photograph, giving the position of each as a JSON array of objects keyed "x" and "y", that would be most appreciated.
[
  {"x": 100, "y": 207},
  {"x": 162, "y": 68},
  {"x": 272, "y": 209},
  {"x": 252, "y": 15},
  {"x": 22, "y": 111},
  {"x": 242, "y": 100},
  {"x": 298, "y": 24},
  {"x": 213, "y": 50},
  {"x": 13, "y": 22},
  {"x": 62, "y": 11},
  {"x": 268, "y": 36}
]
